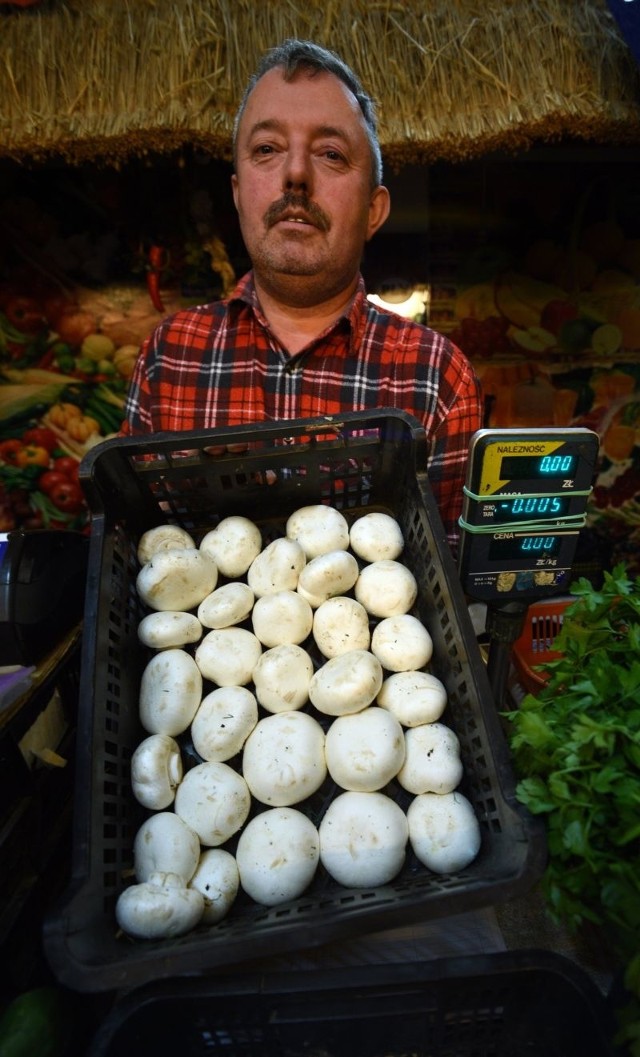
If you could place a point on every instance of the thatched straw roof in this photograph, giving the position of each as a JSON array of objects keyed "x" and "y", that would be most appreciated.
[{"x": 107, "y": 79}]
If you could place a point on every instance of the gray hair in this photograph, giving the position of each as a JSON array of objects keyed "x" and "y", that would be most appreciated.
[{"x": 293, "y": 55}]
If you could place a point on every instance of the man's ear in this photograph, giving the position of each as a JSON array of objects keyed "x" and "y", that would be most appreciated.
[
  {"x": 234, "y": 189},
  {"x": 379, "y": 208}
]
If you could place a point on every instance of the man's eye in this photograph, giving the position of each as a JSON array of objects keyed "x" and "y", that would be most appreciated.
[
  {"x": 333, "y": 155},
  {"x": 264, "y": 148}
]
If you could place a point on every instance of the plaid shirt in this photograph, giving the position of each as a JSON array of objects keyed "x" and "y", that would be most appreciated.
[{"x": 220, "y": 365}]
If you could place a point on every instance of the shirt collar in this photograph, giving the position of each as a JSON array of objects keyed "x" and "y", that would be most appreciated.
[{"x": 354, "y": 314}]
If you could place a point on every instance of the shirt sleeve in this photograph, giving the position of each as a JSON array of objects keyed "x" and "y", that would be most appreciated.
[
  {"x": 138, "y": 418},
  {"x": 460, "y": 414}
]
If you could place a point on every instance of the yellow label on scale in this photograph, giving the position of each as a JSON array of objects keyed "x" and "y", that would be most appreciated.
[{"x": 491, "y": 480}]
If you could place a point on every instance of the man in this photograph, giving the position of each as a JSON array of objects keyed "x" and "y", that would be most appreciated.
[{"x": 298, "y": 338}]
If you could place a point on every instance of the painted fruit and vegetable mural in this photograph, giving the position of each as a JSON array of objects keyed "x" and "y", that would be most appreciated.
[{"x": 84, "y": 278}]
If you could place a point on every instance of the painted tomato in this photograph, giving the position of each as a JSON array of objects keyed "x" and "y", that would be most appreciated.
[
  {"x": 51, "y": 480},
  {"x": 67, "y": 497},
  {"x": 42, "y": 436},
  {"x": 67, "y": 465},
  {"x": 9, "y": 450}
]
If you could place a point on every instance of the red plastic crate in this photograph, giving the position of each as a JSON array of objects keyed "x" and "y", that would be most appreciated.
[{"x": 535, "y": 646}]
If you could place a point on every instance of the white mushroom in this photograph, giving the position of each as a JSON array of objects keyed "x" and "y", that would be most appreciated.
[
  {"x": 176, "y": 579},
  {"x": 227, "y": 656},
  {"x": 159, "y": 908},
  {"x": 170, "y": 692},
  {"x": 363, "y": 839},
  {"x": 444, "y": 831},
  {"x": 169, "y": 629},
  {"x": 432, "y": 759},
  {"x": 283, "y": 760},
  {"x": 156, "y": 771},
  {"x": 281, "y": 678},
  {"x": 346, "y": 683},
  {"x": 375, "y": 536},
  {"x": 223, "y": 722},
  {"x": 217, "y": 879},
  {"x": 386, "y": 588},
  {"x": 318, "y": 529},
  {"x": 276, "y": 568},
  {"x": 227, "y": 606},
  {"x": 162, "y": 538},
  {"x": 364, "y": 751},
  {"x": 401, "y": 643},
  {"x": 214, "y": 801},
  {"x": 341, "y": 624},
  {"x": 333, "y": 573},
  {"x": 413, "y": 697},
  {"x": 282, "y": 618},
  {"x": 277, "y": 855},
  {"x": 233, "y": 545},
  {"x": 165, "y": 843}
]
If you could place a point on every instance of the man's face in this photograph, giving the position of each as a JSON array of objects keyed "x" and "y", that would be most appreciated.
[{"x": 302, "y": 186}]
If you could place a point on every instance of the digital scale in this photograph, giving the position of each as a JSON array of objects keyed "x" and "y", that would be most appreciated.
[{"x": 525, "y": 500}]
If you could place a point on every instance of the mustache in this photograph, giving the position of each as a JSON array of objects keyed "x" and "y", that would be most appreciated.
[{"x": 290, "y": 201}]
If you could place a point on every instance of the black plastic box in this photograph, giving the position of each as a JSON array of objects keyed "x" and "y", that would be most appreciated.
[
  {"x": 358, "y": 463},
  {"x": 511, "y": 1004}
]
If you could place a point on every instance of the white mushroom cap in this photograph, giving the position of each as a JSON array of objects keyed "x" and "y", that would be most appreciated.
[
  {"x": 341, "y": 624},
  {"x": 169, "y": 629},
  {"x": 432, "y": 760},
  {"x": 227, "y": 656},
  {"x": 283, "y": 760},
  {"x": 277, "y": 855},
  {"x": 386, "y": 588},
  {"x": 318, "y": 529},
  {"x": 214, "y": 801},
  {"x": 218, "y": 881},
  {"x": 156, "y": 771},
  {"x": 228, "y": 605},
  {"x": 444, "y": 831},
  {"x": 176, "y": 579},
  {"x": 346, "y": 683},
  {"x": 282, "y": 618},
  {"x": 162, "y": 538},
  {"x": 223, "y": 722},
  {"x": 401, "y": 643},
  {"x": 159, "y": 908},
  {"x": 165, "y": 843},
  {"x": 170, "y": 692},
  {"x": 233, "y": 545},
  {"x": 413, "y": 697},
  {"x": 281, "y": 678},
  {"x": 363, "y": 838},
  {"x": 364, "y": 751},
  {"x": 375, "y": 536},
  {"x": 333, "y": 573},
  {"x": 277, "y": 567}
]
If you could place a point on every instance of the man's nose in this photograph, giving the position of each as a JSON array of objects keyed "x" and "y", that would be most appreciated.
[{"x": 297, "y": 175}]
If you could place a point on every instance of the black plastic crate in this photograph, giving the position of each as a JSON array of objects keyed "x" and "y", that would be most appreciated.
[
  {"x": 359, "y": 463},
  {"x": 512, "y": 1004}
]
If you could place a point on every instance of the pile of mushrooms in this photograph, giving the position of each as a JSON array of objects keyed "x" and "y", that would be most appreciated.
[{"x": 285, "y": 664}]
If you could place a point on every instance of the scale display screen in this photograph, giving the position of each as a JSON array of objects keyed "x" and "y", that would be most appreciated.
[
  {"x": 528, "y": 508},
  {"x": 543, "y": 467},
  {"x": 527, "y": 547}
]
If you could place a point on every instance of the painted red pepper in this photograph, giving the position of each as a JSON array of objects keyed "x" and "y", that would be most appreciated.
[{"x": 156, "y": 263}]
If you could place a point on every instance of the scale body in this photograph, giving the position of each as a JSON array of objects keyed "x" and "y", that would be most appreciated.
[{"x": 524, "y": 504}]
